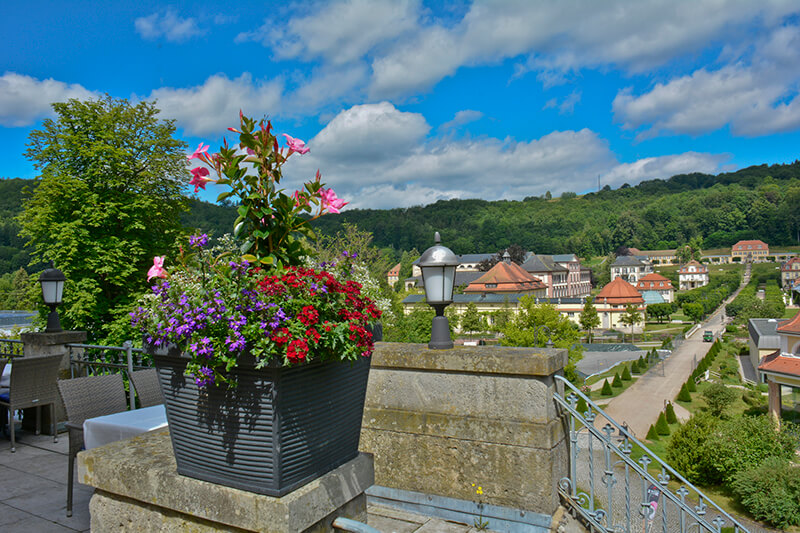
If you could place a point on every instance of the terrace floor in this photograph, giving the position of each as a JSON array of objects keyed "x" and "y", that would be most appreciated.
[{"x": 33, "y": 494}]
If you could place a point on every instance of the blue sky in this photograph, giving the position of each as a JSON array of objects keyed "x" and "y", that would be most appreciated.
[{"x": 406, "y": 102}]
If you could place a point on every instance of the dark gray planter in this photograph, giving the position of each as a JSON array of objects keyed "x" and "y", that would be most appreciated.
[{"x": 280, "y": 428}]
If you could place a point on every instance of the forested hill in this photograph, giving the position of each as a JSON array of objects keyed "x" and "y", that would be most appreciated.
[{"x": 756, "y": 202}]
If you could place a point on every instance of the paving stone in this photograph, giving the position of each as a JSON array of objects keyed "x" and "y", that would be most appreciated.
[{"x": 435, "y": 525}]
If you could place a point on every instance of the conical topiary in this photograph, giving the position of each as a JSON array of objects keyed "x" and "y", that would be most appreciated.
[
  {"x": 606, "y": 391},
  {"x": 662, "y": 428},
  {"x": 617, "y": 382},
  {"x": 635, "y": 368},
  {"x": 626, "y": 374},
  {"x": 671, "y": 418},
  {"x": 651, "y": 433},
  {"x": 581, "y": 407},
  {"x": 684, "y": 395},
  {"x": 690, "y": 386}
]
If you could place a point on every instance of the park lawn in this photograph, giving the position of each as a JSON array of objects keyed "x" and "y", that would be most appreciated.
[{"x": 790, "y": 312}]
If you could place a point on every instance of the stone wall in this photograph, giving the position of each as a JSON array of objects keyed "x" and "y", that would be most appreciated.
[{"x": 439, "y": 421}]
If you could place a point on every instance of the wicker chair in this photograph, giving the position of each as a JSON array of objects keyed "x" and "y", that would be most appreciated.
[
  {"x": 145, "y": 382},
  {"x": 33, "y": 384},
  {"x": 84, "y": 398}
]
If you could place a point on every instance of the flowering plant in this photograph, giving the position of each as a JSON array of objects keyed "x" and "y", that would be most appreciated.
[
  {"x": 215, "y": 309},
  {"x": 258, "y": 297}
]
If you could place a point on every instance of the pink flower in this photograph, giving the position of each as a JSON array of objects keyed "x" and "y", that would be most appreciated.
[
  {"x": 200, "y": 150},
  {"x": 330, "y": 201},
  {"x": 157, "y": 270},
  {"x": 199, "y": 178},
  {"x": 296, "y": 145}
]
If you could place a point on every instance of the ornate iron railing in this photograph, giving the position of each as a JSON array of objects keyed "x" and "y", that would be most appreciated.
[
  {"x": 610, "y": 483},
  {"x": 10, "y": 348}
]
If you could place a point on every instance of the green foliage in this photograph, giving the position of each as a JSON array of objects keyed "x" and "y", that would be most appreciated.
[
  {"x": 662, "y": 428},
  {"x": 690, "y": 386},
  {"x": 589, "y": 319},
  {"x": 694, "y": 311},
  {"x": 412, "y": 327},
  {"x": 748, "y": 305},
  {"x": 770, "y": 492},
  {"x": 356, "y": 243},
  {"x": 606, "y": 390},
  {"x": 683, "y": 395},
  {"x": 109, "y": 198},
  {"x": 626, "y": 374},
  {"x": 471, "y": 320},
  {"x": 631, "y": 316},
  {"x": 635, "y": 368},
  {"x": 660, "y": 311},
  {"x": 670, "y": 413},
  {"x": 652, "y": 434},
  {"x": 687, "y": 450},
  {"x": 18, "y": 291},
  {"x": 616, "y": 382},
  {"x": 581, "y": 406},
  {"x": 718, "y": 397}
]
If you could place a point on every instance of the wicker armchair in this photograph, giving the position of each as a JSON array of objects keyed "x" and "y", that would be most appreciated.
[
  {"x": 33, "y": 384},
  {"x": 87, "y": 398},
  {"x": 145, "y": 382}
]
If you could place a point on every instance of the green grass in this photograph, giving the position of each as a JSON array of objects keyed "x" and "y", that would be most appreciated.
[{"x": 790, "y": 312}]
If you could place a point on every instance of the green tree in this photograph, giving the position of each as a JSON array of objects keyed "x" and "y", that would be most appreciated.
[
  {"x": 471, "y": 320},
  {"x": 770, "y": 492},
  {"x": 606, "y": 390},
  {"x": 617, "y": 381},
  {"x": 108, "y": 199},
  {"x": 662, "y": 428},
  {"x": 659, "y": 311},
  {"x": 744, "y": 442},
  {"x": 683, "y": 395},
  {"x": 652, "y": 434},
  {"x": 691, "y": 250},
  {"x": 693, "y": 311},
  {"x": 626, "y": 374},
  {"x": 670, "y": 412},
  {"x": 718, "y": 397},
  {"x": 589, "y": 319},
  {"x": 688, "y": 451},
  {"x": 631, "y": 317},
  {"x": 690, "y": 386}
]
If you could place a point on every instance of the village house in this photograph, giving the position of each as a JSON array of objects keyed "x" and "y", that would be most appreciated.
[
  {"x": 763, "y": 338},
  {"x": 393, "y": 276},
  {"x": 612, "y": 301},
  {"x": 562, "y": 274},
  {"x": 692, "y": 275},
  {"x": 750, "y": 251},
  {"x": 790, "y": 271},
  {"x": 507, "y": 277},
  {"x": 657, "y": 283},
  {"x": 660, "y": 257},
  {"x": 631, "y": 268},
  {"x": 782, "y": 368}
]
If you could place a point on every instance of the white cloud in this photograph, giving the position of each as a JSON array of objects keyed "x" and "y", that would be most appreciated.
[
  {"x": 462, "y": 117},
  {"x": 340, "y": 32},
  {"x": 169, "y": 25},
  {"x": 24, "y": 100},
  {"x": 213, "y": 106},
  {"x": 756, "y": 95}
]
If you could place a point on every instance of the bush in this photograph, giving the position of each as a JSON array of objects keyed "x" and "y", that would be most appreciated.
[
  {"x": 662, "y": 428},
  {"x": 581, "y": 406},
  {"x": 671, "y": 418},
  {"x": 683, "y": 395},
  {"x": 687, "y": 450},
  {"x": 626, "y": 374},
  {"x": 651, "y": 433},
  {"x": 752, "y": 398},
  {"x": 744, "y": 442},
  {"x": 635, "y": 368},
  {"x": 718, "y": 397},
  {"x": 617, "y": 381},
  {"x": 770, "y": 492},
  {"x": 690, "y": 386},
  {"x": 606, "y": 391}
]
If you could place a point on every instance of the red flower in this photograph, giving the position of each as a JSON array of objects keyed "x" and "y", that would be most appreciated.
[
  {"x": 297, "y": 351},
  {"x": 281, "y": 336},
  {"x": 313, "y": 335},
  {"x": 308, "y": 315}
]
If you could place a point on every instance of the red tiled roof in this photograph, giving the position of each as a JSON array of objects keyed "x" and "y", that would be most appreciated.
[
  {"x": 658, "y": 281},
  {"x": 619, "y": 291},
  {"x": 791, "y": 326},
  {"x": 788, "y": 264},
  {"x": 699, "y": 268},
  {"x": 741, "y": 246},
  {"x": 507, "y": 277},
  {"x": 781, "y": 364},
  {"x": 395, "y": 270}
]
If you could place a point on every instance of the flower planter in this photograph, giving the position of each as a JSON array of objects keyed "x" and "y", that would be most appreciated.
[{"x": 280, "y": 428}]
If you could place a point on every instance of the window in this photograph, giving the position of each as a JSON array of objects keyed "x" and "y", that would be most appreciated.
[{"x": 491, "y": 285}]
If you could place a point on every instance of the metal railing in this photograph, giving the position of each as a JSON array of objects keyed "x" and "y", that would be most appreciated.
[
  {"x": 616, "y": 494},
  {"x": 11, "y": 348}
]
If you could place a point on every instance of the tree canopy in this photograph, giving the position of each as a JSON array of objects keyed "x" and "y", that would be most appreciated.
[{"x": 109, "y": 198}]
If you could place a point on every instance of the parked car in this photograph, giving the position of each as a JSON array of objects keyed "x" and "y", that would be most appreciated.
[{"x": 708, "y": 336}]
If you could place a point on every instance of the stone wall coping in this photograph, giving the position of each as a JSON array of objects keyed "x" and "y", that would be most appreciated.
[
  {"x": 143, "y": 469},
  {"x": 49, "y": 339},
  {"x": 472, "y": 359}
]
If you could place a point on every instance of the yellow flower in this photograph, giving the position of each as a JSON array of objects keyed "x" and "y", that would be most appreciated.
[{"x": 479, "y": 491}]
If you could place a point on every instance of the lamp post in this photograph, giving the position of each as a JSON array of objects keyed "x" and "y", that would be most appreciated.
[
  {"x": 542, "y": 329},
  {"x": 52, "y": 281},
  {"x": 438, "y": 264}
]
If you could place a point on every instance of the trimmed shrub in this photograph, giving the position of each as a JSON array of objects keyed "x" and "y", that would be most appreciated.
[
  {"x": 687, "y": 450},
  {"x": 662, "y": 428},
  {"x": 617, "y": 381},
  {"x": 626, "y": 374},
  {"x": 635, "y": 368},
  {"x": 606, "y": 391},
  {"x": 690, "y": 386},
  {"x": 684, "y": 395},
  {"x": 770, "y": 492},
  {"x": 581, "y": 406},
  {"x": 670, "y": 412},
  {"x": 651, "y": 433},
  {"x": 718, "y": 397}
]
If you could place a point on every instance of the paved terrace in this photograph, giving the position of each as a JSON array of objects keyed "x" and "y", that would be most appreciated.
[{"x": 34, "y": 489}]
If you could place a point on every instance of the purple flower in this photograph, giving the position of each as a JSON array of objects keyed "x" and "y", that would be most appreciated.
[{"x": 199, "y": 241}]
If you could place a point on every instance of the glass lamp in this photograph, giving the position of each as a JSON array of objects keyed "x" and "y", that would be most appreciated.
[
  {"x": 52, "y": 281},
  {"x": 438, "y": 264}
]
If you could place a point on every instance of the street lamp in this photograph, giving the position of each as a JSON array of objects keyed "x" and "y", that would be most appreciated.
[
  {"x": 438, "y": 264},
  {"x": 52, "y": 281}
]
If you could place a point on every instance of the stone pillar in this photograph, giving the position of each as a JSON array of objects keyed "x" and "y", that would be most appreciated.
[
  {"x": 774, "y": 400},
  {"x": 37, "y": 345},
  {"x": 439, "y": 421}
]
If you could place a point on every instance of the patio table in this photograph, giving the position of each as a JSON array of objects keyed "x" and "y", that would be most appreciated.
[{"x": 118, "y": 426}]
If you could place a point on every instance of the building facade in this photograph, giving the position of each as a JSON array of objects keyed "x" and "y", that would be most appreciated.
[
  {"x": 790, "y": 271},
  {"x": 750, "y": 251},
  {"x": 613, "y": 301},
  {"x": 631, "y": 268},
  {"x": 655, "y": 282},
  {"x": 782, "y": 368},
  {"x": 692, "y": 275}
]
